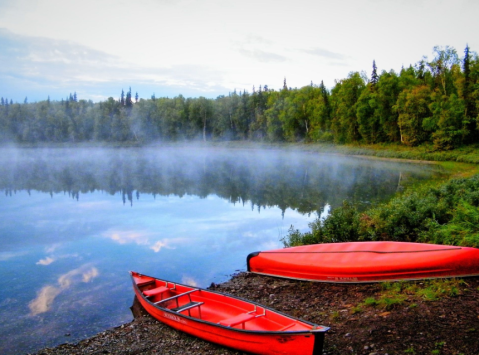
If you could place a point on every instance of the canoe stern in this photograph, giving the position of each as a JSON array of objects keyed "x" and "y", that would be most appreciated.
[{"x": 249, "y": 257}]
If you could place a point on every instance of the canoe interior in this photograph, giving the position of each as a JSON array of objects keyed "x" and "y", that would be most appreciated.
[{"x": 216, "y": 308}]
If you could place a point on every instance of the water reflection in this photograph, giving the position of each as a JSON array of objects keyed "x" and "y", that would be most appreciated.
[
  {"x": 47, "y": 294},
  {"x": 304, "y": 182},
  {"x": 74, "y": 222}
]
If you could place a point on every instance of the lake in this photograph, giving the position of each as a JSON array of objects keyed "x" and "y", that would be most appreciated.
[{"x": 74, "y": 221}]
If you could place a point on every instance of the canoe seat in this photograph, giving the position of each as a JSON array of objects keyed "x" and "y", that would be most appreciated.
[
  {"x": 155, "y": 291},
  {"x": 239, "y": 319}
]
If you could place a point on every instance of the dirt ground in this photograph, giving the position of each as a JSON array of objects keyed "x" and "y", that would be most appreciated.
[{"x": 449, "y": 325}]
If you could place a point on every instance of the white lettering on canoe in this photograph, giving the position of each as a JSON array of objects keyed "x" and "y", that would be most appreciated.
[
  {"x": 343, "y": 278},
  {"x": 175, "y": 318}
]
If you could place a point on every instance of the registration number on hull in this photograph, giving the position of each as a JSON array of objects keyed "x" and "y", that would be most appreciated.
[{"x": 174, "y": 318}]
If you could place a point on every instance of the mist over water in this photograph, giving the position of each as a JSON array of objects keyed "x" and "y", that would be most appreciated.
[
  {"x": 262, "y": 178},
  {"x": 74, "y": 221}
]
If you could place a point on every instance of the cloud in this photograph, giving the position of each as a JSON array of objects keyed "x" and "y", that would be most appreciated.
[
  {"x": 58, "y": 61},
  {"x": 255, "y": 39},
  {"x": 324, "y": 53},
  {"x": 46, "y": 261},
  {"x": 262, "y": 56},
  {"x": 59, "y": 67},
  {"x": 47, "y": 294}
]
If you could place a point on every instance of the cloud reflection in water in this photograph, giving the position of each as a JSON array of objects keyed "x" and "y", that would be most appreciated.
[
  {"x": 47, "y": 294},
  {"x": 139, "y": 238},
  {"x": 47, "y": 261}
]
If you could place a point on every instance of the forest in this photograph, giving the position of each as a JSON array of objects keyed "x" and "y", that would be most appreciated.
[{"x": 430, "y": 102}]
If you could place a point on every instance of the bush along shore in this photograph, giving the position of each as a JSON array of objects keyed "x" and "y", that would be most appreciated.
[{"x": 440, "y": 213}]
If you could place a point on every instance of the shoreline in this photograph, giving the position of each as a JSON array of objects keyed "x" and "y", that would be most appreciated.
[{"x": 416, "y": 325}]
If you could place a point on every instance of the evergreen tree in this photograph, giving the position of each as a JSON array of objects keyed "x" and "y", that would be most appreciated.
[
  {"x": 470, "y": 111},
  {"x": 128, "y": 102},
  {"x": 136, "y": 97},
  {"x": 374, "y": 74},
  {"x": 122, "y": 98}
]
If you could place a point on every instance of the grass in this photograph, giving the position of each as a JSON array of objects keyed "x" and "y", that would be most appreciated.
[
  {"x": 393, "y": 294},
  {"x": 466, "y": 154},
  {"x": 410, "y": 350},
  {"x": 335, "y": 315}
]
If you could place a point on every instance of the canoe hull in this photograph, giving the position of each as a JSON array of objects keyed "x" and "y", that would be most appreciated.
[
  {"x": 256, "y": 342},
  {"x": 357, "y": 262}
]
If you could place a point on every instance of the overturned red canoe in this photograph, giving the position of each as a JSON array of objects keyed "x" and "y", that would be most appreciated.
[
  {"x": 366, "y": 262},
  {"x": 227, "y": 320}
]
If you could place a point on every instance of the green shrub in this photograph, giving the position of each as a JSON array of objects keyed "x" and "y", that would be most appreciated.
[
  {"x": 443, "y": 214},
  {"x": 342, "y": 225}
]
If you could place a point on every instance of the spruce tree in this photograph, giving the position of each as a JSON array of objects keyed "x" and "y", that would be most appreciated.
[
  {"x": 470, "y": 109},
  {"x": 128, "y": 101},
  {"x": 466, "y": 66},
  {"x": 374, "y": 74}
]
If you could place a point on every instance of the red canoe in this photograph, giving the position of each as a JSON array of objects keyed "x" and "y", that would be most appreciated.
[
  {"x": 227, "y": 320},
  {"x": 366, "y": 262}
]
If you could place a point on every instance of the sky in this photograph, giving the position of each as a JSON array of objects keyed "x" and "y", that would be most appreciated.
[{"x": 97, "y": 48}]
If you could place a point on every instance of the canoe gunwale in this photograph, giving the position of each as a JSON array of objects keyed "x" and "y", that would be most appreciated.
[
  {"x": 314, "y": 330},
  {"x": 354, "y": 251}
]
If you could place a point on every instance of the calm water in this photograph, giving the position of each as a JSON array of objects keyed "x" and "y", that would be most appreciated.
[{"x": 73, "y": 222}]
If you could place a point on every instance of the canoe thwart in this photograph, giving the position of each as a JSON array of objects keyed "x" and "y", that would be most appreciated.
[
  {"x": 187, "y": 306},
  {"x": 177, "y": 296}
]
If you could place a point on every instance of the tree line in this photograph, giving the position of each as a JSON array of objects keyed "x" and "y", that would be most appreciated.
[{"x": 433, "y": 101}]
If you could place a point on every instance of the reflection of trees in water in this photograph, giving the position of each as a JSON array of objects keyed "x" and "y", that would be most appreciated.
[{"x": 300, "y": 181}]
